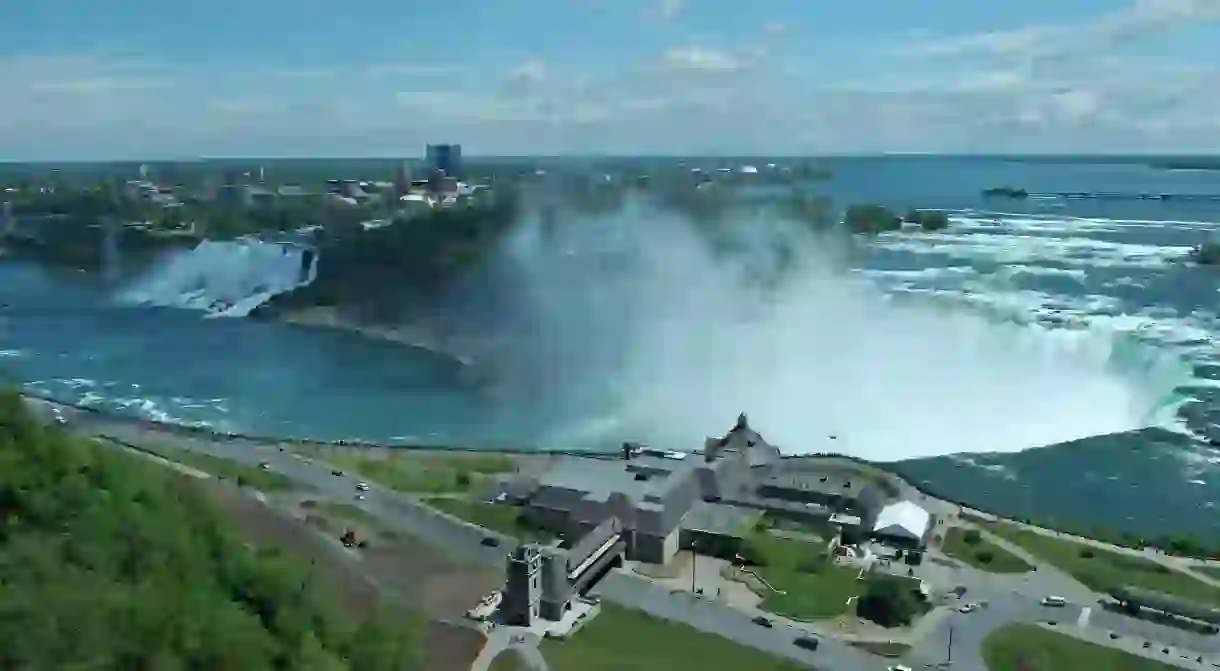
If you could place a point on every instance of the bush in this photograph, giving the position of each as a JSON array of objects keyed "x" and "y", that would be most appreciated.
[
  {"x": 112, "y": 562},
  {"x": 871, "y": 219},
  {"x": 929, "y": 220},
  {"x": 890, "y": 602},
  {"x": 972, "y": 537},
  {"x": 985, "y": 556},
  {"x": 751, "y": 553},
  {"x": 812, "y": 564},
  {"x": 1087, "y": 553}
]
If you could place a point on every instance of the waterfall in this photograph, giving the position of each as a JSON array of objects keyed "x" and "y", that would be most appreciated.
[{"x": 226, "y": 279}]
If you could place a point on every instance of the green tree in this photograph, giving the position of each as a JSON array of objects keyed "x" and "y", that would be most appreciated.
[
  {"x": 870, "y": 219},
  {"x": 108, "y": 561},
  {"x": 889, "y": 602}
]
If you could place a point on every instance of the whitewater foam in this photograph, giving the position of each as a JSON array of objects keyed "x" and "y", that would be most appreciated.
[
  {"x": 225, "y": 279},
  {"x": 677, "y": 338}
]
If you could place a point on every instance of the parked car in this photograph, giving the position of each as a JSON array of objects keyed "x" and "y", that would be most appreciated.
[
  {"x": 762, "y": 622},
  {"x": 490, "y": 541},
  {"x": 336, "y": 472},
  {"x": 1054, "y": 601},
  {"x": 806, "y": 642},
  {"x": 968, "y": 608},
  {"x": 362, "y": 486},
  {"x": 264, "y": 466}
]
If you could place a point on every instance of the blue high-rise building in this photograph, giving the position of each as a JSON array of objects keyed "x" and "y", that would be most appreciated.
[{"x": 447, "y": 157}]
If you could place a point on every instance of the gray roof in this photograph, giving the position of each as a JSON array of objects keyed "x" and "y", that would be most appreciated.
[
  {"x": 823, "y": 483},
  {"x": 643, "y": 479},
  {"x": 720, "y": 519},
  {"x": 581, "y": 549},
  {"x": 748, "y": 441}
]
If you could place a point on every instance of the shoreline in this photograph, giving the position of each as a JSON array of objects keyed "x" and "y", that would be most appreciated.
[
  {"x": 328, "y": 317},
  {"x": 883, "y": 468}
]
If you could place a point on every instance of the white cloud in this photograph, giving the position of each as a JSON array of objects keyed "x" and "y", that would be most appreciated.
[
  {"x": 701, "y": 59},
  {"x": 1043, "y": 88},
  {"x": 668, "y": 9}
]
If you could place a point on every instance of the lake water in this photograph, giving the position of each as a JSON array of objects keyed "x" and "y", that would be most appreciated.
[{"x": 1112, "y": 270}]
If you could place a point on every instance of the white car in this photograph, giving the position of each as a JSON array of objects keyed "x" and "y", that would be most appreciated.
[
  {"x": 1054, "y": 601},
  {"x": 362, "y": 486},
  {"x": 900, "y": 667},
  {"x": 968, "y": 608}
]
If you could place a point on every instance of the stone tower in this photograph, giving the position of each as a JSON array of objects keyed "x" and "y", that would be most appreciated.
[{"x": 523, "y": 586}]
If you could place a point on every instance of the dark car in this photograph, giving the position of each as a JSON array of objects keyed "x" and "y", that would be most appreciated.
[
  {"x": 336, "y": 472},
  {"x": 490, "y": 541},
  {"x": 806, "y": 642},
  {"x": 762, "y": 622}
]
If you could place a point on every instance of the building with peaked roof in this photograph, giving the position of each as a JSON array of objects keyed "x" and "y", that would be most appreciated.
[
  {"x": 649, "y": 491},
  {"x": 903, "y": 524}
]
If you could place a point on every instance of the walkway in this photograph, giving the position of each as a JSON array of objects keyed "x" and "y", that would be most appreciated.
[{"x": 505, "y": 638}]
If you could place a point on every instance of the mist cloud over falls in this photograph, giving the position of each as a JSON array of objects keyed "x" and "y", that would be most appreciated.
[{"x": 634, "y": 326}]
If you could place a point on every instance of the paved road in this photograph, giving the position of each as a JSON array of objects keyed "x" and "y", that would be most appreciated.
[
  {"x": 504, "y": 638},
  {"x": 731, "y": 623},
  {"x": 1009, "y": 601},
  {"x": 969, "y": 630},
  {"x": 465, "y": 541}
]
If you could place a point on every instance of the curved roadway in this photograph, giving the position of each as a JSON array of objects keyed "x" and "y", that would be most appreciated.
[{"x": 1009, "y": 599}]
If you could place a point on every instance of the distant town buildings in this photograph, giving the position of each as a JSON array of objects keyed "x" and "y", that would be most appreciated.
[{"x": 446, "y": 158}]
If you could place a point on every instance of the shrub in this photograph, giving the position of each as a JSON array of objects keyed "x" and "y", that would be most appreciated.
[
  {"x": 871, "y": 219},
  {"x": 889, "y": 602},
  {"x": 148, "y": 575},
  {"x": 972, "y": 537},
  {"x": 985, "y": 556}
]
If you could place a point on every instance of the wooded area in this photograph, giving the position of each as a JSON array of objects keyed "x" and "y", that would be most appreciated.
[{"x": 108, "y": 562}]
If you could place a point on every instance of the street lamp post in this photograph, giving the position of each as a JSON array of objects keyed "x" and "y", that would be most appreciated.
[
  {"x": 950, "y": 658},
  {"x": 694, "y": 565}
]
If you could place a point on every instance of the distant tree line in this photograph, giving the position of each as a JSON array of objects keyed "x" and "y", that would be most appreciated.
[{"x": 109, "y": 562}]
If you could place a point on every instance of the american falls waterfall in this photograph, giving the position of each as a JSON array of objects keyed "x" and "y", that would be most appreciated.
[{"x": 225, "y": 278}]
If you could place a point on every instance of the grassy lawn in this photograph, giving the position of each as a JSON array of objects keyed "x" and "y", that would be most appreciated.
[
  {"x": 619, "y": 638},
  {"x": 1213, "y": 571},
  {"x": 322, "y": 513},
  {"x": 1101, "y": 569},
  {"x": 246, "y": 476},
  {"x": 980, "y": 553},
  {"x": 1042, "y": 650},
  {"x": 813, "y": 587},
  {"x": 504, "y": 519},
  {"x": 423, "y": 474}
]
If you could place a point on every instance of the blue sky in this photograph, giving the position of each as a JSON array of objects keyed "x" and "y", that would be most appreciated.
[{"x": 84, "y": 79}]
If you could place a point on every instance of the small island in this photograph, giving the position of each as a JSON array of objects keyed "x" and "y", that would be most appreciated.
[{"x": 1005, "y": 192}]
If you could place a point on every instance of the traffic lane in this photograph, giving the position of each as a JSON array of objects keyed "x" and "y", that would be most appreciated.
[
  {"x": 1135, "y": 627},
  {"x": 967, "y": 631},
  {"x": 735, "y": 625},
  {"x": 457, "y": 537}
]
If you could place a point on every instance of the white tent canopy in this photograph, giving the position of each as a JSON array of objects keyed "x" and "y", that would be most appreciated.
[{"x": 902, "y": 519}]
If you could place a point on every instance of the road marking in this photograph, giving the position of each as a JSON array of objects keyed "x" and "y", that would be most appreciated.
[{"x": 1083, "y": 620}]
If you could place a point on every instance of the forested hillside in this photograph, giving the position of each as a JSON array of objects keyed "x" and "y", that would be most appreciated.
[{"x": 109, "y": 562}]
